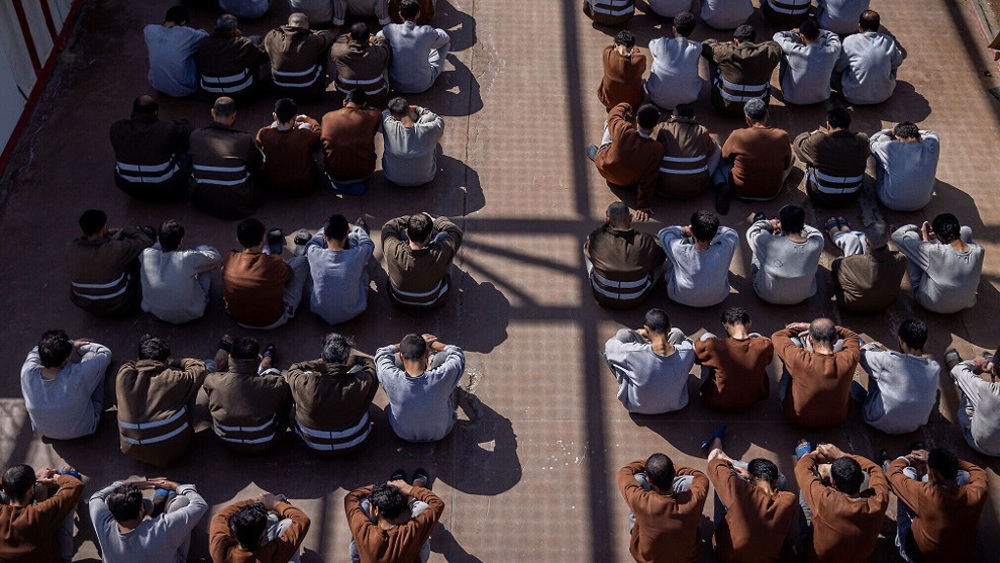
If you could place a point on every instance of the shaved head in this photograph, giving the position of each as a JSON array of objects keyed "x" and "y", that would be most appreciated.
[
  {"x": 618, "y": 214},
  {"x": 145, "y": 104},
  {"x": 298, "y": 19},
  {"x": 823, "y": 331}
]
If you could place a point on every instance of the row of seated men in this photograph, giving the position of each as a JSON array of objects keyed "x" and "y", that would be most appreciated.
[
  {"x": 322, "y": 13},
  {"x": 406, "y": 55},
  {"x": 153, "y": 519},
  {"x": 113, "y": 272}
]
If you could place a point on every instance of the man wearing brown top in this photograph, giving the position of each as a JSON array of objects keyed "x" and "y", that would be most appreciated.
[
  {"x": 362, "y": 61},
  {"x": 623, "y": 265},
  {"x": 392, "y": 522},
  {"x": 690, "y": 156},
  {"x": 348, "y": 136},
  {"x": 298, "y": 57},
  {"x": 836, "y": 160},
  {"x": 290, "y": 146},
  {"x": 937, "y": 515},
  {"x": 36, "y": 517},
  {"x": 623, "y": 68},
  {"x": 756, "y": 160},
  {"x": 418, "y": 252},
  {"x": 740, "y": 70},
  {"x": 228, "y": 62},
  {"x": 866, "y": 279},
  {"x": 844, "y": 514},
  {"x": 734, "y": 370},
  {"x": 151, "y": 162},
  {"x": 262, "y": 529},
  {"x": 664, "y": 509},
  {"x": 628, "y": 155},
  {"x": 815, "y": 387}
]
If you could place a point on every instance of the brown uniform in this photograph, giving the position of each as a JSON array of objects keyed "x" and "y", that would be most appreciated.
[
  {"x": 740, "y": 72},
  {"x": 756, "y": 522},
  {"x": 224, "y": 164},
  {"x": 419, "y": 278},
  {"x": 148, "y": 157},
  {"x": 362, "y": 65},
  {"x": 348, "y": 136},
  {"x": 632, "y": 158},
  {"x": 622, "y": 81},
  {"x": 298, "y": 59},
  {"x": 819, "y": 393},
  {"x": 253, "y": 287},
  {"x": 28, "y": 533},
  {"x": 228, "y": 65},
  {"x": 400, "y": 544},
  {"x": 609, "y": 12},
  {"x": 290, "y": 157},
  {"x": 869, "y": 282},
  {"x": 332, "y": 403},
  {"x": 225, "y": 548},
  {"x": 154, "y": 420},
  {"x": 785, "y": 14},
  {"x": 104, "y": 273},
  {"x": 835, "y": 165},
  {"x": 625, "y": 264},
  {"x": 687, "y": 149},
  {"x": 249, "y": 410},
  {"x": 737, "y": 377},
  {"x": 760, "y": 156}
]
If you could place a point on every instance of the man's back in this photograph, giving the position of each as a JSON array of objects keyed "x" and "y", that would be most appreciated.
[
  {"x": 224, "y": 161},
  {"x": 622, "y": 80},
  {"x": 224, "y": 55},
  {"x": 348, "y": 136},
  {"x": 806, "y": 69},
  {"x": 666, "y": 526},
  {"x": 254, "y": 287},
  {"x": 340, "y": 277},
  {"x": 632, "y": 158},
  {"x": 332, "y": 402},
  {"x": 419, "y": 277},
  {"x": 786, "y": 269},
  {"x": 725, "y": 14},
  {"x": 28, "y": 533},
  {"x": 950, "y": 278},
  {"x": 409, "y": 68},
  {"x": 869, "y": 282},
  {"x": 409, "y": 157},
  {"x": 868, "y": 62},
  {"x": 760, "y": 157},
  {"x": 171, "y": 290},
  {"x": 744, "y": 71},
  {"x": 362, "y": 65},
  {"x": 147, "y": 150},
  {"x": 841, "y": 16},
  {"x": 421, "y": 409},
  {"x": 401, "y": 543},
  {"x": 905, "y": 171},
  {"x": 248, "y": 409},
  {"x": 673, "y": 76},
  {"x": 756, "y": 522},
  {"x": 687, "y": 152},
  {"x": 172, "y": 69},
  {"x": 649, "y": 383},
  {"x": 818, "y": 395},
  {"x": 224, "y": 547},
  {"x": 902, "y": 389},
  {"x": 698, "y": 278},
  {"x": 295, "y": 50},
  {"x": 61, "y": 408},
  {"x": 740, "y": 377},
  {"x": 101, "y": 271},
  {"x": 979, "y": 411},
  {"x": 623, "y": 263}
]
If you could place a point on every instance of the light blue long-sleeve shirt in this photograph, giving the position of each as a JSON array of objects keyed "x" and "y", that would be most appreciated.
[
  {"x": 171, "y": 58},
  {"x": 726, "y": 14},
  {"x": 905, "y": 171},
  {"x": 786, "y": 270},
  {"x": 698, "y": 279},
  {"x": 867, "y": 67},
  {"x": 647, "y": 382},
  {"x": 409, "y": 158},
  {"x": 948, "y": 279},
  {"x": 806, "y": 69},
  {"x": 673, "y": 76},
  {"x": 410, "y": 69},
  {"x": 841, "y": 16},
  {"x": 979, "y": 412},
  {"x": 250, "y": 9},
  {"x": 61, "y": 408},
  {"x": 902, "y": 389},
  {"x": 340, "y": 277},
  {"x": 421, "y": 409}
]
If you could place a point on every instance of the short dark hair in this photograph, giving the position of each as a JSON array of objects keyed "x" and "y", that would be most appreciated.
[
  {"x": 224, "y": 106},
  {"x": 870, "y": 20},
  {"x": 245, "y": 348},
  {"x": 145, "y": 105},
  {"x": 704, "y": 225},
  {"x": 660, "y": 471},
  {"x": 336, "y": 227},
  {"x": 906, "y": 130},
  {"x": 409, "y": 9},
  {"x": 170, "y": 235},
  {"x": 792, "y": 218},
  {"x": 745, "y": 33},
  {"x": 250, "y": 232},
  {"x": 17, "y": 481},
  {"x": 177, "y": 14},
  {"x": 657, "y": 320},
  {"x": 336, "y": 348},
  {"x": 823, "y": 331},
  {"x": 419, "y": 227},
  {"x": 356, "y": 96},
  {"x": 947, "y": 227},
  {"x": 226, "y": 22},
  {"x": 839, "y": 118},
  {"x": 285, "y": 110},
  {"x": 847, "y": 475},
  {"x": 248, "y": 525},
  {"x": 92, "y": 221},
  {"x": 125, "y": 502},
  {"x": 943, "y": 461},
  {"x": 154, "y": 349},
  {"x": 54, "y": 348},
  {"x": 755, "y": 109},
  {"x": 648, "y": 116},
  {"x": 684, "y": 23},
  {"x": 809, "y": 29},
  {"x": 763, "y": 470},
  {"x": 735, "y": 316},
  {"x": 913, "y": 333},
  {"x": 399, "y": 107},
  {"x": 625, "y": 38},
  {"x": 389, "y": 500},
  {"x": 684, "y": 110},
  {"x": 360, "y": 32},
  {"x": 413, "y": 347}
]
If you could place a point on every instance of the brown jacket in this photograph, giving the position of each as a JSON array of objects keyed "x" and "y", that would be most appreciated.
[
  {"x": 227, "y": 64},
  {"x": 947, "y": 520},
  {"x": 147, "y": 156},
  {"x": 632, "y": 158},
  {"x": 154, "y": 420},
  {"x": 622, "y": 81},
  {"x": 298, "y": 57},
  {"x": 835, "y": 163},
  {"x": 869, "y": 282},
  {"x": 760, "y": 156},
  {"x": 625, "y": 264},
  {"x": 739, "y": 372},
  {"x": 253, "y": 287},
  {"x": 249, "y": 410},
  {"x": 845, "y": 527},
  {"x": 666, "y": 527},
  {"x": 756, "y": 523},
  {"x": 349, "y": 142},
  {"x": 362, "y": 65},
  {"x": 224, "y": 548},
  {"x": 104, "y": 273},
  {"x": 290, "y": 157},
  {"x": 28, "y": 533},
  {"x": 792, "y": 13},
  {"x": 607, "y": 12},
  {"x": 419, "y": 278},
  {"x": 683, "y": 140},
  {"x": 400, "y": 544},
  {"x": 224, "y": 164},
  {"x": 819, "y": 393},
  {"x": 740, "y": 72},
  {"x": 332, "y": 403}
]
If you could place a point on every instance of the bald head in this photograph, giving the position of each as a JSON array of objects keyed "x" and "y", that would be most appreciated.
[
  {"x": 823, "y": 332},
  {"x": 145, "y": 105},
  {"x": 298, "y": 19},
  {"x": 618, "y": 215}
]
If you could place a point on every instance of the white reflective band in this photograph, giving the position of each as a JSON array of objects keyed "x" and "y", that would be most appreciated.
[
  {"x": 843, "y": 188},
  {"x": 838, "y": 179},
  {"x": 313, "y": 70},
  {"x": 619, "y": 284},
  {"x": 143, "y": 167},
  {"x": 233, "y": 169},
  {"x": 155, "y": 424},
  {"x": 734, "y": 98},
  {"x": 100, "y": 297},
  {"x": 333, "y": 435},
  {"x": 263, "y": 440},
  {"x": 361, "y": 82},
  {"x": 685, "y": 158},
  {"x": 384, "y": 86},
  {"x": 684, "y": 171},
  {"x": 222, "y": 182},
  {"x": 224, "y": 84},
  {"x": 223, "y": 169},
  {"x": 308, "y": 84},
  {"x": 744, "y": 87},
  {"x": 613, "y": 3},
  {"x": 430, "y": 293},
  {"x": 226, "y": 428},
  {"x": 790, "y": 11},
  {"x": 620, "y": 294},
  {"x": 149, "y": 179},
  {"x": 622, "y": 12},
  {"x": 338, "y": 446},
  {"x": 156, "y": 439},
  {"x": 108, "y": 285}
]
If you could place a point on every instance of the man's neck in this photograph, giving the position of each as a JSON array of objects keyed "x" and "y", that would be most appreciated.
[
  {"x": 285, "y": 126},
  {"x": 334, "y": 244},
  {"x": 661, "y": 345},
  {"x": 126, "y": 527},
  {"x": 406, "y": 120},
  {"x": 739, "y": 332},
  {"x": 823, "y": 350},
  {"x": 51, "y": 373},
  {"x": 959, "y": 245},
  {"x": 759, "y": 125},
  {"x": 169, "y": 24},
  {"x": 414, "y": 369},
  {"x": 254, "y": 249},
  {"x": 796, "y": 237},
  {"x": 385, "y": 524},
  {"x": 764, "y": 486},
  {"x": 417, "y": 245},
  {"x": 702, "y": 245}
]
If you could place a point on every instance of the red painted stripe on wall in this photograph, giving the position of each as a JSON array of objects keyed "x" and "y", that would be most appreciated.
[
  {"x": 49, "y": 22},
  {"x": 22, "y": 19}
]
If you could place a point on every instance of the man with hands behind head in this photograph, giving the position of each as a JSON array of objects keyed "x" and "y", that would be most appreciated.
[
  {"x": 392, "y": 522},
  {"x": 36, "y": 518},
  {"x": 419, "y": 250},
  {"x": 628, "y": 155},
  {"x": 261, "y": 529}
]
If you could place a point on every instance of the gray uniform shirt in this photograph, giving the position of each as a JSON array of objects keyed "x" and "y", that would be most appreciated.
[
  {"x": 647, "y": 382},
  {"x": 170, "y": 287},
  {"x": 726, "y": 14},
  {"x": 784, "y": 270},
  {"x": 902, "y": 389},
  {"x": 409, "y": 158},
  {"x": 841, "y": 16},
  {"x": 318, "y": 11},
  {"x": 867, "y": 67},
  {"x": 171, "y": 58},
  {"x": 60, "y": 408},
  {"x": 806, "y": 69},
  {"x": 410, "y": 68},
  {"x": 698, "y": 279},
  {"x": 905, "y": 172},
  {"x": 421, "y": 409},
  {"x": 673, "y": 76},
  {"x": 946, "y": 280},
  {"x": 979, "y": 412},
  {"x": 340, "y": 277}
]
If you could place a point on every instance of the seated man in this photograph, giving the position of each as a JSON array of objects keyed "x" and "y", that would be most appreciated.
[
  {"x": 752, "y": 514},
  {"x": 290, "y": 146},
  {"x": 251, "y": 9},
  {"x": 623, "y": 264},
  {"x": 125, "y": 534},
  {"x": 410, "y": 136},
  {"x": 411, "y": 512},
  {"x": 260, "y": 289},
  {"x": 332, "y": 397},
  {"x": 734, "y": 370},
  {"x": 979, "y": 380},
  {"x": 248, "y": 399},
  {"x": 338, "y": 257},
  {"x": 866, "y": 278},
  {"x": 362, "y": 9},
  {"x": 418, "y": 252},
  {"x": 64, "y": 392},
  {"x": 348, "y": 136},
  {"x": 841, "y": 16},
  {"x": 623, "y": 69},
  {"x": 151, "y": 160},
  {"x": 155, "y": 396},
  {"x": 418, "y": 51},
  {"x": 843, "y": 514},
  {"x": 298, "y": 57},
  {"x": 609, "y": 12},
  {"x": 37, "y": 514},
  {"x": 785, "y": 14},
  {"x": 671, "y": 8},
  {"x": 264, "y": 528},
  {"x": 906, "y": 160},
  {"x": 175, "y": 282},
  {"x": 756, "y": 160},
  {"x": 902, "y": 386},
  {"x": 664, "y": 509},
  {"x": 628, "y": 155},
  {"x": 424, "y": 17},
  {"x": 172, "y": 46},
  {"x": 104, "y": 267},
  {"x": 815, "y": 386},
  {"x": 937, "y": 516},
  {"x": 808, "y": 58},
  {"x": 362, "y": 61},
  {"x": 835, "y": 159},
  {"x": 651, "y": 365},
  {"x": 945, "y": 265},
  {"x": 785, "y": 256},
  {"x": 228, "y": 62},
  {"x": 740, "y": 70},
  {"x": 698, "y": 259},
  {"x": 319, "y": 12},
  {"x": 866, "y": 71},
  {"x": 690, "y": 155},
  {"x": 673, "y": 76},
  {"x": 726, "y": 14},
  {"x": 225, "y": 164}
]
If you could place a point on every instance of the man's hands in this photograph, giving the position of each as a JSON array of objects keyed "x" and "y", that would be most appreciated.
[
  {"x": 403, "y": 486},
  {"x": 828, "y": 453},
  {"x": 46, "y": 476},
  {"x": 823, "y": 470},
  {"x": 433, "y": 343},
  {"x": 267, "y": 499},
  {"x": 686, "y": 231},
  {"x": 80, "y": 343},
  {"x": 157, "y": 483},
  {"x": 775, "y": 226},
  {"x": 643, "y": 214},
  {"x": 643, "y": 333},
  {"x": 797, "y": 327},
  {"x": 926, "y": 232},
  {"x": 917, "y": 458},
  {"x": 983, "y": 365}
]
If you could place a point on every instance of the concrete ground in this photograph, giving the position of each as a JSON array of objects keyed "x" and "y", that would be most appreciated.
[{"x": 529, "y": 471}]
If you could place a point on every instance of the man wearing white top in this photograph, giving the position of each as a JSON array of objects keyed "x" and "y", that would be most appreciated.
[
  {"x": 176, "y": 283},
  {"x": 841, "y": 16},
  {"x": 673, "y": 75},
  {"x": 418, "y": 51},
  {"x": 726, "y": 14},
  {"x": 906, "y": 159},
  {"x": 866, "y": 71},
  {"x": 979, "y": 380},
  {"x": 338, "y": 263},
  {"x": 786, "y": 255},
  {"x": 809, "y": 57},
  {"x": 945, "y": 265},
  {"x": 410, "y": 136},
  {"x": 698, "y": 258}
]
